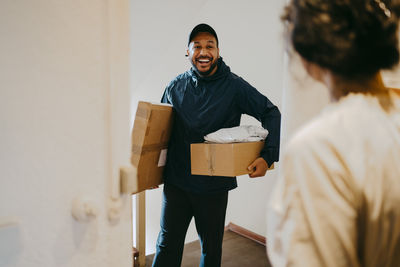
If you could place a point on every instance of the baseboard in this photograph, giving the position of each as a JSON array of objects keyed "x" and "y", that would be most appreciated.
[{"x": 246, "y": 233}]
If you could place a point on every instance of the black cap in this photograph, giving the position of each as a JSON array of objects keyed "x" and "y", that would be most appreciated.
[{"x": 202, "y": 28}]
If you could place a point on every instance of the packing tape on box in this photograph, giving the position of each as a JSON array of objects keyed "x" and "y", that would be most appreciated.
[
  {"x": 139, "y": 150},
  {"x": 211, "y": 158},
  {"x": 211, "y": 165}
]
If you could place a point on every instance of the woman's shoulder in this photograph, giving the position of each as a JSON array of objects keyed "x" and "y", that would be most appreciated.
[{"x": 351, "y": 120}]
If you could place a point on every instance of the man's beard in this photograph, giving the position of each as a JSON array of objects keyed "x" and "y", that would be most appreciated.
[{"x": 205, "y": 73}]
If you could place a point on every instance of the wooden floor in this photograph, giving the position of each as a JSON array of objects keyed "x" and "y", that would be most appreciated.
[{"x": 237, "y": 251}]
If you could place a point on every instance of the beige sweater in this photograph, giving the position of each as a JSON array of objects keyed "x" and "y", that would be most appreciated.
[{"x": 337, "y": 201}]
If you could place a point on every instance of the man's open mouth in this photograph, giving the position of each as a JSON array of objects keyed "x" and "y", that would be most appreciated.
[{"x": 203, "y": 60}]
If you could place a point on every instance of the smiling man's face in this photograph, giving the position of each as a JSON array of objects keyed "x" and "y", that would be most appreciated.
[{"x": 203, "y": 53}]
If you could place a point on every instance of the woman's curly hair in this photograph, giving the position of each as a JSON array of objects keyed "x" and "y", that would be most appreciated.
[{"x": 352, "y": 38}]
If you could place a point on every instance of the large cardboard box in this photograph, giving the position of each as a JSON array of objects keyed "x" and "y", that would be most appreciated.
[
  {"x": 223, "y": 159},
  {"x": 150, "y": 136}
]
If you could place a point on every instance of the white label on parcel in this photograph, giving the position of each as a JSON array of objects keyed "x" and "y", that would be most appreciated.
[{"x": 163, "y": 158}]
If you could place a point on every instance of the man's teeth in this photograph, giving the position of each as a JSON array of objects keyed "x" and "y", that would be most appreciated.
[{"x": 204, "y": 60}]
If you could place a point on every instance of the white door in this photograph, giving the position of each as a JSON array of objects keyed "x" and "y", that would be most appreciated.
[{"x": 64, "y": 131}]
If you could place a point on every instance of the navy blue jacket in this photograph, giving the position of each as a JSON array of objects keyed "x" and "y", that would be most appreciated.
[{"x": 206, "y": 104}]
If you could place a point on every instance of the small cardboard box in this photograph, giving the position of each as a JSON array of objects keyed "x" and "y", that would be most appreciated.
[
  {"x": 224, "y": 159},
  {"x": 150, "y": 136}
]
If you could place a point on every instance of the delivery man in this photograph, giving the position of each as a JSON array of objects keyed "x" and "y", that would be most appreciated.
[{"x": 206, "y": 98}]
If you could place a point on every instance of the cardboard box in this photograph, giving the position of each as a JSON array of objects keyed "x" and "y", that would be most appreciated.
[
  {"x": 150, "y": 136},
  {"x": 224, "y": 159}
]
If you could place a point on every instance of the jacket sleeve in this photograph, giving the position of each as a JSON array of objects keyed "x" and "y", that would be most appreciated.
[
  {"x": 166, "y": 97},
  {"x": 255, "y": 104}
]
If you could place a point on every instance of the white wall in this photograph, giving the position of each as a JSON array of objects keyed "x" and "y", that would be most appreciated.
[
  {"x": 392, "y": 78},
  {"x": 250, "y": 43},
  {"x": 63, "y": 68}
]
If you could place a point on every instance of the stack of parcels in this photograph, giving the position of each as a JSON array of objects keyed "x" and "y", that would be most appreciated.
[
  {"x": 228, "y": 151},
  {"x": 150, "y": 136}
]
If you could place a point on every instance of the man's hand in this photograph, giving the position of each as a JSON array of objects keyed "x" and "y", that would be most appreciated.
[{"x": 258, "y": 168}]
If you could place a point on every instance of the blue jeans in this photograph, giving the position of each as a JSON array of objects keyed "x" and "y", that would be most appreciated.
[{"x": 178, "y": 208}]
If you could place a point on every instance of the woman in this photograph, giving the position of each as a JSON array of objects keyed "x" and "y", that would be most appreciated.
[{"x": 337, "y": 202}]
